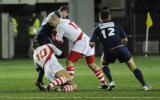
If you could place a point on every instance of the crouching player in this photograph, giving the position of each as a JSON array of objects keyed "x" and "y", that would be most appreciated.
[{"x": 47, "y": 64}]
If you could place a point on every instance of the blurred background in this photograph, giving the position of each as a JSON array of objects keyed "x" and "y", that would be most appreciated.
[{"x": 16, "y": 20}]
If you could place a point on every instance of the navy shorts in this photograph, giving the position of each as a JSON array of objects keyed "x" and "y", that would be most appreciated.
[
  {"x": 43, "y": 39},
  {"x": 121, "y": 53}
]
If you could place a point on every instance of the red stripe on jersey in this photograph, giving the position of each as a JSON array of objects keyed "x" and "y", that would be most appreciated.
[
  {"x": 73, "y": 25},
  {"x": 50, "y": 54},
  {"x": 79, "y": 37}
]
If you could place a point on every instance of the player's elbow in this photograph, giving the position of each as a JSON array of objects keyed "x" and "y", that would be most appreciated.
[
  {"x": 125, "y": 40},
  {"x": 92, "y": 44},
  {"x": 58, "y": 41}
]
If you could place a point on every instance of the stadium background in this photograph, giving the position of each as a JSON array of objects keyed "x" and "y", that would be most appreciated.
[
  {"x": 131, "y": 14},
  {"x": 17, "y": 76}
]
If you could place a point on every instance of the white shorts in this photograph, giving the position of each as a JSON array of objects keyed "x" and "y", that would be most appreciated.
[
  {"x": 51, "y": 68},
  {"x": 82, "y": 46}
]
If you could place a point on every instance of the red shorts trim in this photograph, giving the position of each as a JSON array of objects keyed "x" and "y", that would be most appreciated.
[
  {"x": 90, "y": 59},
  {"x": 74, "y": 56}
]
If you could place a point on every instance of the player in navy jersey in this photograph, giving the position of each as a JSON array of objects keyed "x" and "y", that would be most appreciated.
[
  {"x": 114, "y": 38},
  {"x": 46, "y": 31}
]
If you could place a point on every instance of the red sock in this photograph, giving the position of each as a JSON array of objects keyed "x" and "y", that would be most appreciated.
[
  {"x": 70, "y": 70},
  {"x": 58, "y": 81},
  {"x": 67, "y": 88},
  {"x": 100, "y": 76}
]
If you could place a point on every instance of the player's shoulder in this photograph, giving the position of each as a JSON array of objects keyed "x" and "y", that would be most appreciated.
[
  {"x": 63, "y": 23},
  {"x": 106, "y": 24},
  {"x": 49, "y": 45}
]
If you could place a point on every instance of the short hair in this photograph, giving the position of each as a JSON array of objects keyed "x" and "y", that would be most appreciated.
[
  {"x": 104, "y": 14},
  {"x": 64, "y": 8},
  {"x": 55, "y": 14}
]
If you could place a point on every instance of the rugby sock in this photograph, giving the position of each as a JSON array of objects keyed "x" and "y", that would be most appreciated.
[
  {"x": 57, "y": 82},
  {"x": 67, "y": 88},
  {"x": 139, "y": 76},
  {"x": 70, "y": 70},
  {"x": 107, "y": 72},
  {"x": 100, "y": 76}
]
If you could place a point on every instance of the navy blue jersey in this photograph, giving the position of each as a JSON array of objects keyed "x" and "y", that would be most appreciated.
[
  {"x": 44, "y": 35},
  {"x": 46, "y": 29},
  {"x": 110, "y": 34}
]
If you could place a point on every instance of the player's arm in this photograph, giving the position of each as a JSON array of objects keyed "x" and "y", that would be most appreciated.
[
  {"x": 40, "y": 73},
  {"x": 93, "y": 38},
  {"x": 57, "y": 51},
  {"x": 125, "y": 40},
  {"x": 123, "y": 35},
  {"x": 39, "y": 82},
  {"x": 59, "y": 36}
]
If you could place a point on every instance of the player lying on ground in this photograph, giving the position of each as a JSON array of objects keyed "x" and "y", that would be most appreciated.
[
  {"x": 67, "y": 28},
  {"x": 114, "y": 39},
  {"x": 47, "y": 63}
]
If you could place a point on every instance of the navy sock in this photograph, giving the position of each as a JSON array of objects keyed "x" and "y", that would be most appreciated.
[
  {"x": 107, "y": 73},
  {"x": 139, "y": 76}
]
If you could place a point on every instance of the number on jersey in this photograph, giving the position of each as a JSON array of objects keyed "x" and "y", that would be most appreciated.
[
  {"x": 111, "y": 32},
  {"x": 41, "y": 54}
]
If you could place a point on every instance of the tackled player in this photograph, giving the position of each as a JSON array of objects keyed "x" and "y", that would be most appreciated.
[{"x": 46, "y": 63}]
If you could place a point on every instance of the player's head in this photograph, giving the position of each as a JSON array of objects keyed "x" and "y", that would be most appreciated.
[
  {"x": 106, "y": 8},
  {"x": 54, "y": 19},
  {"x": 104, "y": 15},
  {"x": 64, "y": 11}
]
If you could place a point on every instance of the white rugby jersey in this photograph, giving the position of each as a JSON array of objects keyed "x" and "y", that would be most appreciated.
[
  {"x": 44, "y": 53},
  {"x": 68, "y": 29}
]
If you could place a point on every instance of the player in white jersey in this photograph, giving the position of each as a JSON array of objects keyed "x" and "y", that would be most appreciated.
[
  {"x": 67, "y": 28},
  {"x": 47, "y": 63},
  {"x": 44, "y": 35}
]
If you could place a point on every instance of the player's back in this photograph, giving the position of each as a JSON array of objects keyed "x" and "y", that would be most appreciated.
[
  {"x": 110, "y": 34},
  {"x": 70, "y": 29},
  {"x": 45, "y": 28},
  {"x": 42, "y": 54}
]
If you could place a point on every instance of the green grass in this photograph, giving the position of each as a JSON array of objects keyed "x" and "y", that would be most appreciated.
[{"x": 17, "y": 79}]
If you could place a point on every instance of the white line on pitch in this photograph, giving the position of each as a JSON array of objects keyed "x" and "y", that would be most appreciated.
[{"x": 80, "y": 97}]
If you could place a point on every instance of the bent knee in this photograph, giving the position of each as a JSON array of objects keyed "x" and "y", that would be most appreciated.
[
  {"x": 104, "y": 63},
  {"x": 131, "y": 64}
]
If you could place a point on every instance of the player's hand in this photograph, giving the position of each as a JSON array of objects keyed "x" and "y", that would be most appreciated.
[
  {"x": 54, "y": 33},
  {"x": 40, "y": 85},
  {"x": 92, "y": 44},
  {"x": 62, "y": 55}
]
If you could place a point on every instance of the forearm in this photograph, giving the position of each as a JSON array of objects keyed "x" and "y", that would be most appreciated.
[
  {"x": 125, "y": 40},
  {"x": 40, "y": 75},
  {"x": 92, "y": 44}
]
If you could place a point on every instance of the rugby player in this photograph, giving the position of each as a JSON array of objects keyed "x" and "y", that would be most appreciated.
[{"x": 114, "y": 38}]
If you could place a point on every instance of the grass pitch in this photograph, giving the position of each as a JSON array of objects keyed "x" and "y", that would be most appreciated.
[{"x": 17, "y": 79}]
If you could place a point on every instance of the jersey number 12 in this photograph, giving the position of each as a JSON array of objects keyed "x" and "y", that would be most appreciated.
[{"x": 111, "y": 32}]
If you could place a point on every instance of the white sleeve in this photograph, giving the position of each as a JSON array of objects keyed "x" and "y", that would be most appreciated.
[
  {"x": 57, "y": 51},
  {"x": 60, "y": 33}
]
